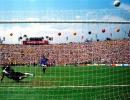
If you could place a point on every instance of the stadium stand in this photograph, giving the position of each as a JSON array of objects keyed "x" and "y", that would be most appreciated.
[{"x": 105, "y": 52}]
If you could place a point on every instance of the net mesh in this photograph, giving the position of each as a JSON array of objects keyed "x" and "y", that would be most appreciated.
[{"x": 89, "y": 60}]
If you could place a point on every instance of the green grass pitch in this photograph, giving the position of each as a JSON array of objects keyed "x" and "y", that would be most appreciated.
[{"x": 69, "y": 83}]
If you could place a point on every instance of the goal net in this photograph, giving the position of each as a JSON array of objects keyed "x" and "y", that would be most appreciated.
[{"x": 65, "y": 55}]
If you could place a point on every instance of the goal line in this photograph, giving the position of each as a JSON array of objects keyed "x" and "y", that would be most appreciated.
[{"x": 69, "y": 86}]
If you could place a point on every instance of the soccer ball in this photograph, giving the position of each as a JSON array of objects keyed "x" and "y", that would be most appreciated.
[{"x": 117, "y": 3}]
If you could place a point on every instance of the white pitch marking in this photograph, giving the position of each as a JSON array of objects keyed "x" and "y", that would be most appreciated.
[{"x": 70, "y": 86}]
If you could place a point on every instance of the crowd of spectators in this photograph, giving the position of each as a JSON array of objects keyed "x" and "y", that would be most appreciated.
[{"x": 103, "y": 52}]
